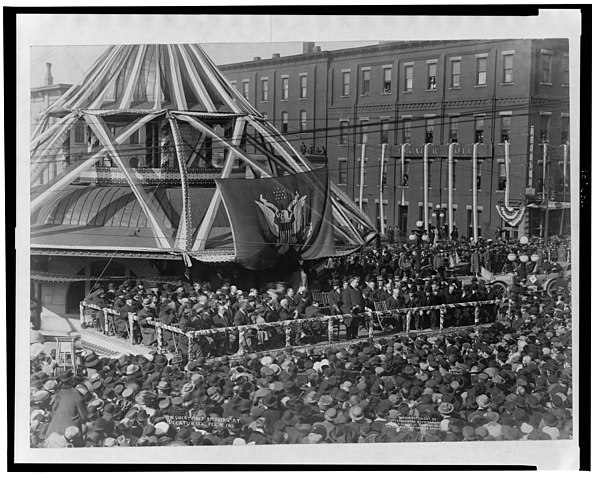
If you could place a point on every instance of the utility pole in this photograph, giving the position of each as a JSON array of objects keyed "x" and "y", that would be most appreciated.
[
  {"x": 381, "y": 222},
  {"x": 426, "y": 185},
  {"x": 474, "y": 198},
  {"x": 362, "y": 174},
  {"x": 546, "y": 189}
]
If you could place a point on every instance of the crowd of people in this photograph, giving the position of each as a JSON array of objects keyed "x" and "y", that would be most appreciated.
[
  {"x": 377, "y": 280},
  {"x": 507, "y": 380},
  {"x": 501, "y": 382}
]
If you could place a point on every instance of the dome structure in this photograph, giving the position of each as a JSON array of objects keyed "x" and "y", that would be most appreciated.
[{"x": 189, "y": 127}]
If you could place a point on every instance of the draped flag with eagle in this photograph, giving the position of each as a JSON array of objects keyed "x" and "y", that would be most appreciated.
[{"x": 271, "y": 217}]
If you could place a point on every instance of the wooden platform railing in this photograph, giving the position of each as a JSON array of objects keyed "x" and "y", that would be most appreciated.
[{"x": 93, "y": 315}]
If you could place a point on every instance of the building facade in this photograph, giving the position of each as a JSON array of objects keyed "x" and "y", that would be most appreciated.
[{"x": 352, "y": 102}]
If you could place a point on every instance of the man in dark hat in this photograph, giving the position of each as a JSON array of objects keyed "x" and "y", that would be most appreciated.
[
  {"x": 353, "y": 303},
  {"x": 334, "y": 297}
]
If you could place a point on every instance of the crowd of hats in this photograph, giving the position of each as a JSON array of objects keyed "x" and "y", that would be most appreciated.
[{"x": 499, "y": 382}]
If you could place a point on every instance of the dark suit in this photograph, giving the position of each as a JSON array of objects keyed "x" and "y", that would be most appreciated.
[
  {"x": 396, "y": 303},
  {"x": 352, "y": 302},
  {"x": 335, "y": 301}
]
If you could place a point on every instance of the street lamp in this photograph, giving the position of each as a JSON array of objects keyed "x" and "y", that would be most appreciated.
[
  {"x": 419, "y": 235},
  {"x": 438, "y": 213}
]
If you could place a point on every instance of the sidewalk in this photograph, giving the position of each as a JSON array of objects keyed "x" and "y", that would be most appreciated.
[{"x": 54, "y": 324}]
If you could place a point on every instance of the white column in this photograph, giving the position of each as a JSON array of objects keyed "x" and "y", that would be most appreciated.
[
  {"x": 450, "y": 188},
  {"x": 507, "y": 168},
  {"x": 426, "y": 186},
  {"x": 402, "y": 151},
  {"x": 381, "y": 222},
  {"x": 474, "y": 187},
  {"x": 362, "y": 176}
]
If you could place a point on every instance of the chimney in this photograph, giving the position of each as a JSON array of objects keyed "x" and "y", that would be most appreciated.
[
  {"x": 48, "y": 79},
  {"x": 308, "y": 46},
  {"x": 256, "y": 58},
  {"x": 276, "y": 55}
]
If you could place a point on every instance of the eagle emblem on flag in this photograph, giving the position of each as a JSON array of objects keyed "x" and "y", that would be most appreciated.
[{"x": 286, "y": 221}]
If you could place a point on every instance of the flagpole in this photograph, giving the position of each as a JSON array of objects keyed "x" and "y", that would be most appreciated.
[
  {"x": 546, "y": 192},
  {"x": 426, "y": 186},
  {"x": 362, "y": 175},
  {"x": 381, "y": 223},
  {"x": 474, "y": 195},
  {"x": 507, "y": 168},
  {"x": 450, "y": 188},
  {"x": 562, "y": 213}
]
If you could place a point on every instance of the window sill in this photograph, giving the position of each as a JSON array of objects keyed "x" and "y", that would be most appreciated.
[
  {"x": 407, "y": 91},
  {"x": 507, "y": 84},
  {"x": 342, "y": 184},
  {"x": 545, "y": 84},
  {"x": 365, "y": 94},
  {"x": 565, "y": 85},
  {"x": 388, "y": 93},
  {"x": 480, "y": 86},
  {"x": 345, "y": 96},
  {"x": 454, "y": 88},
  {"x": 264, "y": 101},
  {"x": 431, "y": 91},
  {"x": 284, "y": 101},
  {"x": 305, "y": 98}
]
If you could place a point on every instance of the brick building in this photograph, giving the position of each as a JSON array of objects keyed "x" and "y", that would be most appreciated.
[{"x": 436, "y": 93}]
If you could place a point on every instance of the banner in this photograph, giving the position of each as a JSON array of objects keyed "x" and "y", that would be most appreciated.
[
  {"x": 271, "y": 217},
  {"x": 512, "y": 215}
]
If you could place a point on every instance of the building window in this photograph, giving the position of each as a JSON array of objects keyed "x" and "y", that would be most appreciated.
[
  {"x": 544, "y": 122},
  {"x": 284, "y": 122},
  {"x": 406, "y": 129},
  {"x": 431, "y": 76},
  {"x": 455, "y": 73},
  {"x": 342, "y": 171},
  {"x": 505, "y": 128},
  {"x": 303, "y": 86},
  {"x": 345, "y": 83},
  {"x": 385, "y": 171},
  {"x": 285, "y": 85},
  {"x": 565, "y": 80},
  {"x": 302, "y": 120},
  {"x": 363, "y": 136},
  {"x": 429, "y": 125},
  {"x": 421, "y": 210},
  {"x": 507, "y": 76},
  {"x": 502, "y": 177},
  {"x": 481, "y": 71},
  {"x": 405, "y": 176},
  {"x": 79, "y": 133},
  {"x": 366, "y": 82},
  {"x": 265, "y": 89},
  {"x": 564, "y": 132},
  {"x": 385, "y": 127},
  {"x": 246, "y": 89},
  {"x": 234, "y": 84},
  {"x": 546, "y": 68},
  {"x": 135, "y": 137},
  {"x": 478, "y": 178},
  {"x": 479, "y": 122},
  {"x": 344, "y": 124},
  {"x": 387, "y": 80},
  {"x": 408, "y": 77},
  {"x": 453, "y": 138}
]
